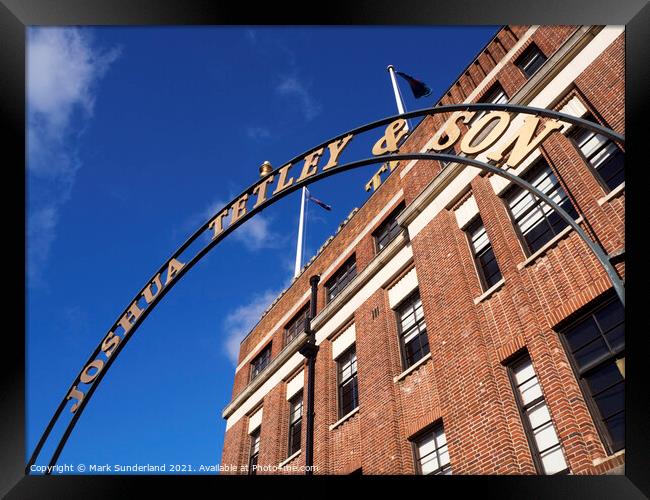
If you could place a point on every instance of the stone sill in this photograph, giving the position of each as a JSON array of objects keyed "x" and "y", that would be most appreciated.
[
  {"x": 612, "y": 194},
  {"x": 411, "y": 369},
  {"x": 488, "y": 293},
  {"x": 286, "y": 461},
  {"x": 598, "y": 461},
  {"x": 344, "y": 418},
  {"x": 548, "y": 245}
]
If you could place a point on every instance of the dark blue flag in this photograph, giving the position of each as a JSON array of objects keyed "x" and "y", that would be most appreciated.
[
  {"x": 418, "y": 88},
  {"x": 318, "y": 202}
]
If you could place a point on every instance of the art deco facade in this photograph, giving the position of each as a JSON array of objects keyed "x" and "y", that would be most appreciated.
[{"x": 463, "y": 327}]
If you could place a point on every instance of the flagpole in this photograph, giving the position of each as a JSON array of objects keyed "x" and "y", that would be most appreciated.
[
  {"x": 301, "y": 223},
  {"x": 398, "y": 95}
]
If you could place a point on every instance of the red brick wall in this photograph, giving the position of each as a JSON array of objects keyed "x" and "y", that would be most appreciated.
[{"x": 465, "y": 383}]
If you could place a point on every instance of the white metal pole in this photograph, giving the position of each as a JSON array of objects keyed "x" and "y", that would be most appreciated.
[
  {"x": 398, "y": 96},
  {"x": 296, "y": 271}
]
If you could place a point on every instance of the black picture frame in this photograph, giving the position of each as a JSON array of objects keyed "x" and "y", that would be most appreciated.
[{"x": 15, "y": 15}]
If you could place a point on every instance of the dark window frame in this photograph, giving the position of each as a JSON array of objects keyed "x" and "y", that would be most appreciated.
[
  {"x": 589, "y": 312},
  {"x": 296, "y": 423},
  {"x": 408, "y": 302},
  {"x": 572, "y": 136},
  {"x": 389, "y": 229},
  {"x": 535, "y": 51},
  {"x": 478, "y": 264},
  {"x": 566, "y": 203},
  {"x": 254, "y": 450},
  {"x": 341, "y": 278},
  {"x": 264, "y": 354},
  {"x": 340, "y": 383},
  {"x": 292, "y": 328},
  {"x": 535, "y": 452},
  {"x": 415, "y": 449}
]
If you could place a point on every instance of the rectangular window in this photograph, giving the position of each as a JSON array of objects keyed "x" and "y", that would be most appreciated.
[
  {"x": 388, "y": 229},
  {"x": 496, "y": 95},
  {"x": 347, "y": 378},
  {"x": 412, "y": 330},
  {"x": 530, "y": 60},
  {"x": 596, "y": 344},
  {"x": 431, "y": 453},
  {"x": 537, "y": 222},
  {"x": 296, "y": 326},
  {"x": 295, "y": 423},
  {"x": 602, "y": 154},
  {"x": 341, "y": 278},
  {"x": 486, "y": 263},
  {"x": 260, "y": 362},
  {"x": 544, "y": 444},
  {"x": 254, "y": 452}
]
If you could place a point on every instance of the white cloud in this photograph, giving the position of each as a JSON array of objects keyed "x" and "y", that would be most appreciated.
[
  {"x": 63, "y": 69},
  {"x": 240, "y": 322},
  {"x": 255, "y": 234},
  {"x": 258, "y": 133},
  {"x": 293, "y": 87}
]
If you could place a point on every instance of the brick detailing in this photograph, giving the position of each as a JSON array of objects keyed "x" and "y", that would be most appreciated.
[{"x": 464, "y": 383}]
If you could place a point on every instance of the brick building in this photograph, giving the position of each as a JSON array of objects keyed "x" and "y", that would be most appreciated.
[{"x": 462, "y": 327}]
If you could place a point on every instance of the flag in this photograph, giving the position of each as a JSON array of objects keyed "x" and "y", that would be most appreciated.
[
  {"x": 419, "y": 89},
  {"x": 318, "y": 202}
]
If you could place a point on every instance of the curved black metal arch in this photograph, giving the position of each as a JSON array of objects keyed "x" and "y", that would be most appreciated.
[{"x": 464, "y": 161}]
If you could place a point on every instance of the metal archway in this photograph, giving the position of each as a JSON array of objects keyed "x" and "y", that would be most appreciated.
[{"x": 175, "y": 270}]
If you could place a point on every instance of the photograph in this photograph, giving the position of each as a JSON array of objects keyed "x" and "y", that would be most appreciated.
[{"x": 400, "y": 250}]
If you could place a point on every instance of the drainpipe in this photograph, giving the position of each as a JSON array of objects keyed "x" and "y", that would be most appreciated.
[{"x": 309, "y": 351}]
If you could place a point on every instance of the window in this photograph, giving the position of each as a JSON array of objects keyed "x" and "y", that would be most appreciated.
[
  {"x": 341, "y": 278},
  {"x": 496, "y": 95},
  {"x": 540, "y": 432},
  {"x": 530, "y": 60},
  {"x": 537, "y": 222},
  {"x": 295, "y": 423},
  {"x": 347, "y": 378},
  {"x": 486, "y": 263},
  {"x": 388, "y": 229},
  {"x": 596, "y": 344},
  {"x": 431, "y": 453},
  {"x": 602, "y": 154},
  {"x": 254, "y": 452},
  {"x": 260, "y": 362},
  {"x": 412, "y": 330},
  {"x": 296, "y": 326}
]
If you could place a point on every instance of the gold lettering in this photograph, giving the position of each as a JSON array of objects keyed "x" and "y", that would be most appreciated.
[
  {"x": 393, "y": 165},
  {"x": 147, "y": 294},
  {"x": 85, "y": 377},
  {"x": 522, "y": 142},
  {"x": 110, "y": 343},
  {"x": 493, "y": 135},
  {"x": 311, "y": 164},
  {"x": 239, "y": 209},
  {"x": 283, "y": 183},
  {"x": 388, "y": 143},
  {"x": 260, "y": 191},
  {"x": 335, "y": 148},
  {"x": 375, "y": 180},
  {"x": 130, "y": 317},
  {"x": 451, "y": 131},
  {"x": 75, "y": 394},
  {"x": 173, "y": 268},
  {"x": 217, "y": 223}
]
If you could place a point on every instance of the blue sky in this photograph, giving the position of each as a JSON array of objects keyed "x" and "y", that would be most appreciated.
[{"x": 135, "y": 137}]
